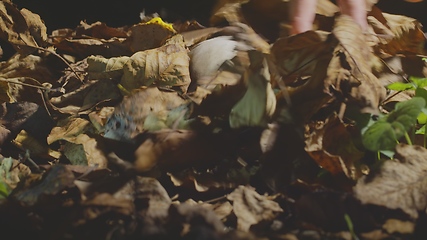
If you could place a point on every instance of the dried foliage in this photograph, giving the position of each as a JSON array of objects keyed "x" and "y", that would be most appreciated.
[{"x": 235, "y": 130}]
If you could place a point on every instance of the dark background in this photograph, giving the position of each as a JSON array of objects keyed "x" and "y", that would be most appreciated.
[{"x": 68, "y": 13}]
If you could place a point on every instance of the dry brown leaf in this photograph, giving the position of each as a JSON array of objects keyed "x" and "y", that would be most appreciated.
[
  {"x": 101, "y": 92},
  {"x": 28, "y": 69},
  {"x": 298, "y": 55},
  {"x": 401, "y": 34},
  {"x": 398, "y": 226},
  {"x": 27, "y": 116},
  {"x": 192, "y": 217},
  {"x": 22, "y": 28},
  {"x": 87, "y": 96},
  {"x": 229, "y": 12},
  {"x": 56, "y": 182},
  {"x": 250, "y": 207},
  {"x": 166, "y": 66},
  {"x": 349, "y": 71},
  {"x": 80, "y": 149},
  {"x": 12, "y": 172},
  {"x": 26, "y": 142},
  {"x": 82, "y": 47},
  {"x": 145, "y": 36},
  {"x": 401, "y": 183},
  {"x": 99, "y": 30},
  {"x": 148, "y": 190},
  {"x": 330, "y": 144},
  {"x": 193, "y": 37}
]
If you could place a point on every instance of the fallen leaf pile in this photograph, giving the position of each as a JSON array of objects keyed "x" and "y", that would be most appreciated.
[{"x": 236, "y": 130}]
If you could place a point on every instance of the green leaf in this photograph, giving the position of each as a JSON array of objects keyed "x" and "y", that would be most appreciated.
[
  {"x": 422, "y": 118},
  {"x": 420, "y": 82},
  {"x": 255, "y": 107},
  {"x": 421, "y": 130},
  {"x": 398, "y": 86},
  {"x": 385, "y": 133},
  {"x": 4, "y": 191}
]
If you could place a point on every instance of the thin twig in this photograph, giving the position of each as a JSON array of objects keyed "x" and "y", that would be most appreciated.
[{"x": 58, "y": 56}]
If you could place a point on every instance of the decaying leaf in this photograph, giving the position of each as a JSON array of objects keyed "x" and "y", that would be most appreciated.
[
  {"x": 250, "y": 207},
  {"x": 297, "y": 55},
  {"x": 22, "y": 28},
  {"x": 80, "y": 148},
  {"x": 27, "y": 143},
  {"x": 148, "y": 35},
  {"x": 105, "y": 68},
  {"x": 57, "y": 181},
  {"x": 350, "y": 69},
  {"x": 402, "y": 35},
  {"x": 93, "y": 39},
  {"x": 26, "y": 69},
  {"x": 24, "y": 116},
  {"x": 331, "y": 145},
  {"x": 401, "y": 183},
  {"x": 12, "y": 172},
  {"x": 166, "y": 66}
]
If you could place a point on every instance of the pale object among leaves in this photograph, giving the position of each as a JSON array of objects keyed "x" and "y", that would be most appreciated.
[
  {"x": 258, "y": 104},
  {"x": 129, "y": 117},
  {"x": 401, "y": 183}
]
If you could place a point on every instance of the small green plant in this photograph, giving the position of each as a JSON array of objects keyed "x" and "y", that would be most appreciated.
[
  {"x": 4, "y": 191},
  {"x": 418, "y": 85},
  {"x": 386, "y": 132}
]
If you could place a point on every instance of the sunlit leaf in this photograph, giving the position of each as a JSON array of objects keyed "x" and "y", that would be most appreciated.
[
  {"x": 399, "y": 86},
  {"x": 420, "y": 82}
]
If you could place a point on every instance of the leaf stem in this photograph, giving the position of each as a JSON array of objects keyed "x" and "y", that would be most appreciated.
[{"x": 408, "y": 138}]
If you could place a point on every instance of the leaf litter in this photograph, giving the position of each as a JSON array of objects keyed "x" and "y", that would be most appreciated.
[{"x": 231, "y": 131}]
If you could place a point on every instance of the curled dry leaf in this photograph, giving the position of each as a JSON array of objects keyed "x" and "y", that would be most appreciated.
[
  {"x": 57, "y": 182},
  {"x": 80, "y": 149},
  {"x": 105, "y": 68},
  {"x": 401, "y": 183},
  {"x": 297, "y": 55},
  {"x": 93, "y": 39},
  {"x": 22, "y": 28},
  {"x": 251, "y": 208},
  {"x": 144, "y": 36},
  {"x": 166, "y": 66},
  {"x": 402, "y": 35},
  {"x": 330, "y": 144},
  {"x": 29, "y": 69},
  {"x": 349, "y": 71},
  {"x": 26, "y": 116},
  {"x": 11, "y": 172}
]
